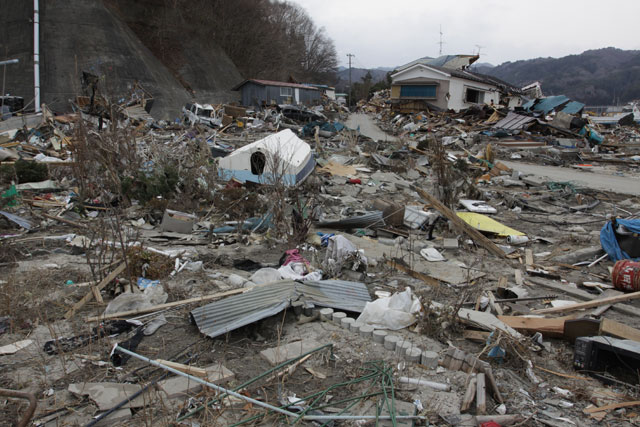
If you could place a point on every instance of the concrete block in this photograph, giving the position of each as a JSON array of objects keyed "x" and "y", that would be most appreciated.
[
  {"x": 178, "y": 222},
  {"x": 338, "y": 316},
  {"x": 390, "y": 342},
  {"x": 379, "y": 335},
  {"x": 366, "y": 331},
  {"x": 108, "y": 395},
  {"x": 413, "y": 355},
  {"x": 355, "y": 327},
  {"x": 450, "y": 243},
  {"x": 347, "y": 322},
  {"x": 326, "y": 314},
  {"x": 430, "y": 359},
  {"x": 178, "y": 387},
  {"x": 277, "y": 355},
  {"x": 402, "y": 347}
]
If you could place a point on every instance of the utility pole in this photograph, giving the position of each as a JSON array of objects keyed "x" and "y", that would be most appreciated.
[
  {"x": 440, "y": 40},
  {"x": 350, "y": 55}
]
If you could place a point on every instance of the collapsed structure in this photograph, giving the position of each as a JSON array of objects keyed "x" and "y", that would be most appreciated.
[{"x": 450, "y": 260}]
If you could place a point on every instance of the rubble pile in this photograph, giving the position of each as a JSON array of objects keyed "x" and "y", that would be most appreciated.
[{"x": 278, "y": 265}]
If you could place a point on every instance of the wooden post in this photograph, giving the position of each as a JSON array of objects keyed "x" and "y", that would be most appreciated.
[
  {"x": 481, "y": 395},
  {"x": 460, "y": 224}
]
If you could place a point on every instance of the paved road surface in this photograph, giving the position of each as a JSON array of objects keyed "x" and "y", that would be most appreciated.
[
  {"x": 595, "y": 180},
  {"x": 368, "y": 127}
]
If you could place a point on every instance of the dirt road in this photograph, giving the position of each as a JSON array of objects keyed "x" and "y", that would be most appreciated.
[{"x": 368, "y": 127}]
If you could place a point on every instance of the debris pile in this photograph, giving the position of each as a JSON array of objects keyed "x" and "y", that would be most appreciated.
[{"x": 277, "y": 266}]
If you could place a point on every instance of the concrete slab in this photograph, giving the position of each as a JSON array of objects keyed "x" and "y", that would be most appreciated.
[
  {"x": 108, "y": 395},
  {"x": 277, "y": 355},
  {"x": 178, "y": 387}
]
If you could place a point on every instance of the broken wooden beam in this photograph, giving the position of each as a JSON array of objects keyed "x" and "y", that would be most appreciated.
[
  {"x": 460, "y": 224},
  {"x": 164, "y": 306},
  {"x": 481, "y": 395},
  {"x": 469, "y": 395},
  {"x": 97, "y": 288},
  {"x": 590, "y": 304}
]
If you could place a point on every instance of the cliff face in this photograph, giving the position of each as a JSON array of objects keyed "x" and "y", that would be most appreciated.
[{"x": 85, "y": 35}]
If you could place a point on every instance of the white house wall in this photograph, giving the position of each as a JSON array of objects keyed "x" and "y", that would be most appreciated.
[
  {"x": 457, "y": 88},
  {"x": 419, "y": 72}
]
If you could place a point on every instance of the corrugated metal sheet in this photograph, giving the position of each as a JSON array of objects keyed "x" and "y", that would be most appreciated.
[
  {"x": 573, "y": 107},
  {"x": 258, "y": 303},
  {"x": 513, "y": 121},
  {"x": 548, "y": 104}
]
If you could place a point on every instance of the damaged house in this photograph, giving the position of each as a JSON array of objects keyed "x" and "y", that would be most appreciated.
[
  {"x": 256, "y": 93},
  {"x": 421, "y": 84}
]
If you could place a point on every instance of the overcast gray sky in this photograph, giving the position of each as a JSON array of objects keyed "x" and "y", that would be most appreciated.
[{"x": 393, "y": 32}]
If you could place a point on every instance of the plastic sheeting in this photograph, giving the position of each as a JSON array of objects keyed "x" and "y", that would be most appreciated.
[
  {"x": 395, "y": 312},
  {"x": 610, "y": 243}
]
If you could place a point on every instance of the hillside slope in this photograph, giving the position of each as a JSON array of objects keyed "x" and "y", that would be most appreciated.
[{"x": 84, "y": 35}]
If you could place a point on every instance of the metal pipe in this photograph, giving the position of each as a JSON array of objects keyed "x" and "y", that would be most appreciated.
[
  {"x": 36, "y": 55},
  {"x": 7, "y": 62},
  {"x": 32, "y": 404},
  {"x": 257, "y": 402}
]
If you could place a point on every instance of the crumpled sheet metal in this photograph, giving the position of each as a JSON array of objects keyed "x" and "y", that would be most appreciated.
[{"x": 260, "y": 302}]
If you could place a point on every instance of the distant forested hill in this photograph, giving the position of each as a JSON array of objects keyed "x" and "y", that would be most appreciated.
[{"x": 595, "y": 77}]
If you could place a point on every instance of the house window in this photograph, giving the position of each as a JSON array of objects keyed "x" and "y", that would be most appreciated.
[
  {"x": 286, "y": 91},
  {"x": 474, "y": 96},
  {"x": 418, "y": 91}
]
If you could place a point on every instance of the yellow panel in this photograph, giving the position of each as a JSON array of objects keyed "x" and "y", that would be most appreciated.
[
  {"x": 484, "y": 223},
  {"x": 395, "y": 91}
]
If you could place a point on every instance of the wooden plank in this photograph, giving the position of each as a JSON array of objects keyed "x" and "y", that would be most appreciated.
[
  {"x": 64, "y": 220},
  {"x": 518, "y": 277},
  {"x": 618, "y": 330},
  {"x": 469, "y": 395},
  {"x": 528, "y": 256},
  {"x": 97, "y": 295},
  {"x": 494, "y": 305},
  {"x": 477, "y": 336},
  {"x": 602, "y": 309},
  {"x": 111, "y": 276},
  {"x": 191, "y": 370},
  {"x": 164, "y": 306},
  {"x": 590, "y": 304},
  {"x": 481, "y": 395},
  {"x": 551, "y": 327},
  {"x": 583, "y": 295},
  {"x": 460, "y": 224},
  {"x": 416, "y": 275},
  {"x": 612, "y": 406},
  {"x": 488, "y": 373}
]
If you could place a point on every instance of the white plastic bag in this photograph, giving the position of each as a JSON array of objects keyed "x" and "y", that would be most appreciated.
[{"x": 395, "y": 312}]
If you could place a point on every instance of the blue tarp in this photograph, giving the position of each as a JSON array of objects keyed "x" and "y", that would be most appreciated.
[{"x": 610, "y": 243}]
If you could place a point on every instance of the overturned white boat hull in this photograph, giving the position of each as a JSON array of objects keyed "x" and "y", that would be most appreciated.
[{"x": 281, "y": 157}]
